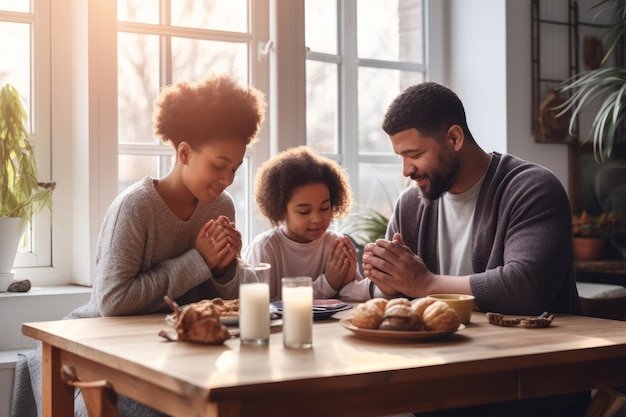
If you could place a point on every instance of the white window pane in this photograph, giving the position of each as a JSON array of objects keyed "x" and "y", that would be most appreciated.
[
  {"x": 322, "y": 106},
  {"x": 138, "y": 86},
  {"x": 132, "y": 168},
  {"x": 321, "y": 25},
  {"x": 228, "y": 15},
  {"x": 193, "y": 59},
  {"x": 373, "y": 103},
  {"x": 140, "y": 11},
  {"x": 380, "y": 184},
  {"x": 240, "y": 190},
  {"x": 15, "y": 43},
  {"x": 390, "y": 30},
  {"x": 15, "y": 5}
]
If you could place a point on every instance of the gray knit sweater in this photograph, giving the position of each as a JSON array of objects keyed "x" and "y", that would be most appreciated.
[
  {"x": 521, "y": 241},
  {"x": 144, "y": 253}
]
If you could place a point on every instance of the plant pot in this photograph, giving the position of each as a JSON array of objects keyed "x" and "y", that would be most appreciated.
[
  {"x": 588, "y": 248},
  {"x": 11, "y": 231}
]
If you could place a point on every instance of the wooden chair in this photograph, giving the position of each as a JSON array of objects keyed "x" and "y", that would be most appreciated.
[
  {"x": 606, "y": 402},
  {"x": 100, "y": 397}
]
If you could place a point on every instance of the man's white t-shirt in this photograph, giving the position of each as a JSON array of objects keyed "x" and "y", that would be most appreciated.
[{"x": 454, "y": 230}]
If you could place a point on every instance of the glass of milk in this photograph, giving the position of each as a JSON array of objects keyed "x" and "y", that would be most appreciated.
[
  {"x": 254, "y": 304},
  {"x": 297, "y": 293}
]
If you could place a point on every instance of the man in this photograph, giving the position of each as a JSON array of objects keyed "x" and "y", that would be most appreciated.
[{"x": 490, "y": 225}]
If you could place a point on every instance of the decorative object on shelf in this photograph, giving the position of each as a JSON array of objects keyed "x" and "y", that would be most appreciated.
[
  {"x": 604, "y": 87},
  {"x": 592, "y": 52},
  {"x": 590, "y": 234},
  {"x": 552, "y": 127},
  {"x": 21, "y": 196}
]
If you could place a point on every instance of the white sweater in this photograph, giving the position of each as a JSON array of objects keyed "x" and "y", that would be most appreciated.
[{"x": 289, "y": 258}]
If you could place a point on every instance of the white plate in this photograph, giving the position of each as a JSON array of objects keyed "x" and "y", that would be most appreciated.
[
  {"x": 230, "y": 320},
  {"x": 421, "y": 335}
]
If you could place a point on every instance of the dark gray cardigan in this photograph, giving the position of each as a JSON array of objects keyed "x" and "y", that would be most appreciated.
[{"x": 522, "y": 257}]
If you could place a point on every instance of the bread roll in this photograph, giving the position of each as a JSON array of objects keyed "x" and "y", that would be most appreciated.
[
  {"x": 367, "y": 316},
  {"x": 400, "y": 317},
  {"x": 420, "y": 305},
  {"x": 439, "y": 316},
  {"x": 380, "y": 302}
]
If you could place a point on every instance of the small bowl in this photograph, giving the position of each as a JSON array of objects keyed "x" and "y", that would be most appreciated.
[
  {"x": 462, "y": 303},
  {"x": 5, "y": 280}
]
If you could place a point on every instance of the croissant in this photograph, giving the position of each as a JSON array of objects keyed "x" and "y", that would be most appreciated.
[{"x": 199, "y": 322}]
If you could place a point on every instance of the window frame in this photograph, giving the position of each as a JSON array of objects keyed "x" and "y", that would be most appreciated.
[
  {"x": 39, "y": 19},
  {"x": 82, "y": 104},
  {"x": 349, "y": 63}
]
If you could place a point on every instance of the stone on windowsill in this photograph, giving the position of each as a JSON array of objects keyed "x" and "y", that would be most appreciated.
[{"x": 22, "y": 285}]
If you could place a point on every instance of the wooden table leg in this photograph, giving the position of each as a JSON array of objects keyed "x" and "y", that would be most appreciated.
[{"x": 57, "y": 397}]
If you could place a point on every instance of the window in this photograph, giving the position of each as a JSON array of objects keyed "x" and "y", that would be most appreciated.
[
  {"x": 92, "y": 102},
  {"x": 354, "y": 70},
  {"x": 25, "y": 46},
  {"x": 160, "y": 43}
]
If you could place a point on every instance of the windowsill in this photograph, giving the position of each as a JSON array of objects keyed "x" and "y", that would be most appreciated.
[
  {"x": 38, "y": 304},
  {"x": 48, "y": 291}
]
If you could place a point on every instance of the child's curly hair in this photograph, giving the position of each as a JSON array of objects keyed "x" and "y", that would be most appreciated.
[
  {"x": 278, "y": 178},
  {"x": 216, "y": 107}
]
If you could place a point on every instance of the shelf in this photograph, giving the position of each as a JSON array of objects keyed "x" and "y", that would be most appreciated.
[{"x": 609, "y": 266}]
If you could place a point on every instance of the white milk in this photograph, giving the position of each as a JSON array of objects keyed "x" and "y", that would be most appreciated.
[
  {"x": 298, "y": 316},
  {"x": 254, "y": 316}
]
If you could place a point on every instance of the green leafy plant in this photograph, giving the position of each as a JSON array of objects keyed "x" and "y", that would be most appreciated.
[
  {"x": 365, "y": 225},
  {"x": 586, "y": 225},
  {"x": 20, "y": 193},
  {"x": 605, "y": 85}
]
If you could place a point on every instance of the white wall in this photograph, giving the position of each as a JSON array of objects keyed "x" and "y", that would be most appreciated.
[
  {"x": 478, "y": 68},
  {"x": 485, "y": 58}
]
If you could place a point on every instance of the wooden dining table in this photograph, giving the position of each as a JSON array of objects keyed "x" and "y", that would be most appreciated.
[{"x": 344, "y": 374}]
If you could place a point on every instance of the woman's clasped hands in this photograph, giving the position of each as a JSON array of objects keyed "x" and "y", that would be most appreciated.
[{"x": 219, "y": 243}]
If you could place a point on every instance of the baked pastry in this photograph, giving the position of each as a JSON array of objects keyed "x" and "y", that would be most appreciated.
[
  {"x": 367, "y": 316},
  {"x": 420, "y": 305},
  {"x": 400, "y": 317},
  {"x": 225, "y": 308},
  {"x": 440, "y": 316},
  {"x": 380, "y": 302},
  {"x": 199, "y": 322},
  {"x": 399, "y": 301}
]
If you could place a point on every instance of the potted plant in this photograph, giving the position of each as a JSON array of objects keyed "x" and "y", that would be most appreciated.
[
  {"x": 365, "y": 226},
  {"x": 590, "y": 234},
  {"x": 603, "y": 86},
  {"x": 21, "y": 196}
]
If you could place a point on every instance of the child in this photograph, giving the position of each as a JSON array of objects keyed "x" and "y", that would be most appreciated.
[
  {"x": 300, "y": 193},
  {"x": 175, "y": 235}
]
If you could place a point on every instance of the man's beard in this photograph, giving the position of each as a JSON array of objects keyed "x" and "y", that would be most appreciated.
[{"x": 440, "y": 179}]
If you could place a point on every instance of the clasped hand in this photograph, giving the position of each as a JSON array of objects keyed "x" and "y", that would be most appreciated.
[
  {"x": 341, "y": 265},
  {"x": 394, "y": 268},
  {"x": 219, "y": 243}
]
